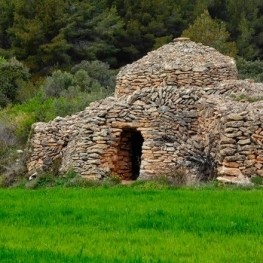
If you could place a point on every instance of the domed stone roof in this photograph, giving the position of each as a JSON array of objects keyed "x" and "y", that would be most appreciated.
[{"x": 180, "y": 63}]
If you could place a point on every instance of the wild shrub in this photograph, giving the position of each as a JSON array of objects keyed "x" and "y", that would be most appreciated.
[
  {"x": 12, "y": 167},
  {"x": 97, "y": 71},
  {"x": 13, "y": 74},
  {"x": 84, "y": 77},
  {"x": 82, "y": 80},
  {"x": 203, "y": 162},
  {"x": 50, "y": 178},
  {"x": 58, "y": 82},
  {"x": 7, "y": 136},
  {"x": 73, "y": 91},
  {"x": 250, "y": 69}
]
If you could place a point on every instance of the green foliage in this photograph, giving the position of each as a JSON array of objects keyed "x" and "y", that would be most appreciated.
[
  {"x": 185, "y": 225},
  {"x": 212, "y": 33},
  {"x": 50, "y": 179},
  {"x": 58, "y": 82},
  {"x": 6, "y": 20},
  {"x": 250, "y": 69},
  {"x": 72, "y": 92},
  {"x": 82, "y": 80},
  {"x": 85, "y": 77},
  {"x": 70, "y": 179},
  {"x": 36, "y": 35},
  {"x": 245, "y": 23},
  {"x": 22, "y": 116},
  {"x": 62, "y": 94},
  {"x": 75, "y": 101},
  {"x": 148, "y": 24},
  {"x": 96, "y": 72},
  {"x": 55, "y": 34},
  {"x": 12, "y": 76},
  {"x": 91, "y": 32}
]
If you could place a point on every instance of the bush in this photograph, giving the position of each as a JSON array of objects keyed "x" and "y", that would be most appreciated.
[
  {"x": 82, "y": 80},
  {"x": 7, "y": 136},
  {"x": 13, "y": 74},
  {"x": 69, "y": 179},
  {"x": 72, "y": 92},
  {"x": 250, "y": 69},
  {"x": 61, "y": 94},
  {"x": 98, "y": 72},
  {"x": 75, "y": 102},
  {"x": 57, "y": 83},
  {"x": 51, "y": 179},
  {"x": 84, "y": 77}
]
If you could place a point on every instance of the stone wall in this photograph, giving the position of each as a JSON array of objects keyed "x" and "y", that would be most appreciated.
[
  {"x": 181, "y": 63},
  {"x": 173, "y": 123},
  {"x": 158, "y": 124},
  {"x": 89, "y": 142},
  {"x": 241, "y": 147}
]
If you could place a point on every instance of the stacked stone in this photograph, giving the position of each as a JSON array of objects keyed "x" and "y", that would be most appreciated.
[
  {"x": 172, "y": 122},
  {"x": 181, "y": 63},
  {"x": 46, "y": 146},
  {"x": 241, "y": 144},
  {"x": 176, "y": 114},
  {"x": 164, "y": 118},
  {"x": 49, "y": 140}
]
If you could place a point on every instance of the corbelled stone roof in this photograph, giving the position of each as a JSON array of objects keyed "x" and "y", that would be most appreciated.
[{"x": 182, "y": 54}]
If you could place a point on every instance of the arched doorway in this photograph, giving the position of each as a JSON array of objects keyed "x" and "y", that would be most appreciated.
[{"x": 129, "y": 154}]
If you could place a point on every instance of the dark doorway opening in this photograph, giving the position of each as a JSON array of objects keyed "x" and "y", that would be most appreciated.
[
  {"x": 129, "y": 154},
  {"x": 136, "y": 153}
]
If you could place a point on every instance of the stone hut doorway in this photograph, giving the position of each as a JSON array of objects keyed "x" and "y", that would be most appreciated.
[{"x": 129, "y": 154}]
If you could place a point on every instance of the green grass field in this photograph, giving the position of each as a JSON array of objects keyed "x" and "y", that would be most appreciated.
[{"x": 125, "y": 224}]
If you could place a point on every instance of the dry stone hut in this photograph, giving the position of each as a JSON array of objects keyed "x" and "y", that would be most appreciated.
[{"x": 175, "y": 105}]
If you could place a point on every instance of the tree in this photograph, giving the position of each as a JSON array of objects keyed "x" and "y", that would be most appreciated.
[
  {"x": 244, "y": 21},
  {"x": 6, "y": 20},
  {"x": 36, "y": 34},
  {"x": 12, "y": 75},
  {"x": 148, "y": 24},
  {"x": 91, "y": 33},
  {"x": 212, "y": 33}
]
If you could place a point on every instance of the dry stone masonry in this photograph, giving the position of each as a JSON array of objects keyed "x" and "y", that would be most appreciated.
[
  {"x": 181, "y": 63},
  {"x": 179, "y": 100}
]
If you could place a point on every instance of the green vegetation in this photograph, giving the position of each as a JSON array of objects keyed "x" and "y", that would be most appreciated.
[
  {"x": 214, "y": 34},
  {"x": 13, "y": 75},
  {"x": 60, "y": 94},
  {"x": 52, "y": 34},
  {"x": 244, "y": 97},
  {"x": 57, "y": 56},
  {"x": 250, "y": 69},
  {"x": 129, "y": 224}
]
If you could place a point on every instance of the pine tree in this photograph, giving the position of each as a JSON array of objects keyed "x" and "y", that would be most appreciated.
[
  {"x": 212, "y": 33},
  {"x": 36, "y": 33},
  {"x": 91, "y": 32}
]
